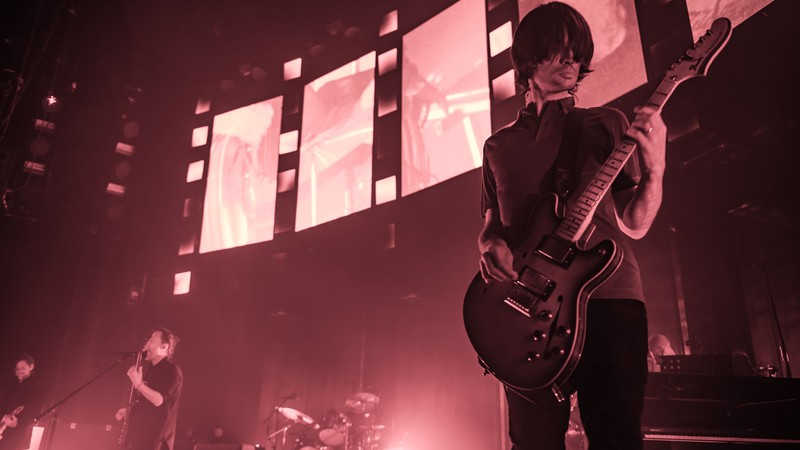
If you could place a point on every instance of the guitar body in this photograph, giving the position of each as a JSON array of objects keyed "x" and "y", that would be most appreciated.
[{"x": 530, "y": 333}]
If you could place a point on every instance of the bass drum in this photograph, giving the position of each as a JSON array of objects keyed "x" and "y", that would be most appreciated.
[{"x": 334, "y": 431}]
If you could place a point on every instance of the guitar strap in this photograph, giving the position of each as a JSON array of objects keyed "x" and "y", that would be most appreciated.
[{"x": 566, "y": 164}]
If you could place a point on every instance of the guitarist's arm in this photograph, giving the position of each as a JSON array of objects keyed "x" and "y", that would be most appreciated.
[
  {"x": 497, "y": 261},
  {"x": 152, "y": 395},
  {"x": 637, "y": 207}
]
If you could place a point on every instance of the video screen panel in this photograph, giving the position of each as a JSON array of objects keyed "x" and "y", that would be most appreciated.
[
  {"x": 335, "y": 171},
  {"x": 618, "y": 61},
  {"x": 445, "y": 99},
  {"x": 239, "y": 205},
  {"x": 703, "y": 12}
]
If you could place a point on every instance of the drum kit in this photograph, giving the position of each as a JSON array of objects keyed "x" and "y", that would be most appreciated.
[{"x": 355, "y": 429}]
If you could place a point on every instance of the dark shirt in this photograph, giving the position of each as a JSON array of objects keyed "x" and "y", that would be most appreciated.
[
  {"x": 29, "y": 395},
  {"x": 518, "y": 166},
  {"x": 150, "y": 425}
]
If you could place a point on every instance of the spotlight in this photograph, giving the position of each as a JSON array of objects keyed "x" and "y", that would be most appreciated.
[{"x": 51, "y": 103}]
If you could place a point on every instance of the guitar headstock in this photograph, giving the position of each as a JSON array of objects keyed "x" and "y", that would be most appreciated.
[{"x": 695, "y": 61}]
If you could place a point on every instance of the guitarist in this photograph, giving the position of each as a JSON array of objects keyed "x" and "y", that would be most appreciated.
[
  {"x": 154, "y": 412},
  {"x": 555, "y": 147},
  {"x": 26, "y": 393}
]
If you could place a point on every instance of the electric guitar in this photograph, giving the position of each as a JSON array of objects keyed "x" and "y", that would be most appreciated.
[
  {"x": 13, "y": 413},
  {"x": 530, "y": 333},
  {"x": 123, "y": 434}
]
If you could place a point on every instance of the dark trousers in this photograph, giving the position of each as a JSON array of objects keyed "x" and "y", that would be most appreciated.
[{"x": 609, "y": 379}]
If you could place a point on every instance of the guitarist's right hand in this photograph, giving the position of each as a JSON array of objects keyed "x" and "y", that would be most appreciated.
[{"x": 497, "y": 262}]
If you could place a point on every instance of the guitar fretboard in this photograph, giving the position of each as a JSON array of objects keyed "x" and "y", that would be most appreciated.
[{"x": 579, "y": 216}]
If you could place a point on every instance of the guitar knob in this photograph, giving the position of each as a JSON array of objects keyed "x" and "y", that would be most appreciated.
[
  {"x": 538, "y": 335},
  {"x": 545, "y": 315},
  {"x": 564, "y": 331},
  {"x": 533, "y": 356},
  {"x": 557, "y": 351}
]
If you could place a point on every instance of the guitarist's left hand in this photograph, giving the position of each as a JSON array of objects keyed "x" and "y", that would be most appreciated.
[
  {"x": 135, "y": 375},
  {"x": 649, "y": 131},
  {"x": 10, "y": 420}
]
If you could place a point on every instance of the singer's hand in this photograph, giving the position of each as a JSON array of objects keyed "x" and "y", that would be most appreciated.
[
  {"x": 121, "y": 414},
  {"x": 135, "y": 375}
]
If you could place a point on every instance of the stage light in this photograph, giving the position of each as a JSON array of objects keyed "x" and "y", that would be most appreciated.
[
  {"x": 115, "y": 189},
  {"x": 51, "y": 103},
  {"x": 123, "y": 170},
  {"x": 292, "y": 69},
  {"x": 352, "y": 32},
  {"x": 386, "y": 190},
  {"x": 39, "y": 146},
  {"x": 500, "y": 39},
  {"x": 286, "y": 180},
  {"x": 44, "y": 125},
  {"x": 288, "y": 142},
  {"x": 33, "y": 168},
  {"x": 203, "y": 105},
  {"x": 387, "y": 61},
  {"x": 182, "y": 284},
  {"x": 200, "y": 136},
  {"x": 259, "y": 74},
  {"x": 195, "y": 171},
  {"x": 503, "y": 86},
  {"x": 389, "y": 23},
  {"x": 124, "y": 149},
  {"x": 131, "y": 129}
]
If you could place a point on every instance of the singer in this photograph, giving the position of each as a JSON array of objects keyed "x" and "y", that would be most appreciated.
[{"x": 157, "y": 385}]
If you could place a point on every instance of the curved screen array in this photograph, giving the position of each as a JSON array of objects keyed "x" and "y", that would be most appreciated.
[{"x": 444, "y": 113}]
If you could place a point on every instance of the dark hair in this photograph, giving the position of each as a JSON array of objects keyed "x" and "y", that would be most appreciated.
[
  {"x": 546, "y": 31},
  {"x": 25, "y": 357},
  {"x": 169, "y": 338}
]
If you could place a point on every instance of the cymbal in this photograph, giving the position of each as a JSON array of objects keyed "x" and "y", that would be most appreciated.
[
  {"x": 295, "y": 415},
  {"x": 362, "y": 402}
]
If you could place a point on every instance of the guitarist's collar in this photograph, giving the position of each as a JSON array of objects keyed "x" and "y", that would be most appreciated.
[{"x": 565, "y": 104}]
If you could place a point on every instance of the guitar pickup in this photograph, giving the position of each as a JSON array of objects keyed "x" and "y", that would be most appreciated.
[
  {"x": 560, "y": 251},
  {"x": 530, "y": 288},
  {"x": 536, "y": 283}
]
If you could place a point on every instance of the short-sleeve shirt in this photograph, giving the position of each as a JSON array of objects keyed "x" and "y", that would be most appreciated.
[
  {"x": 519, "y": 166},
  {"x": 150, "y": 424}
]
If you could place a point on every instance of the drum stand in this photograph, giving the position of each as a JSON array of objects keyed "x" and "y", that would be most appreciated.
[{"x": 283, "y": 438}]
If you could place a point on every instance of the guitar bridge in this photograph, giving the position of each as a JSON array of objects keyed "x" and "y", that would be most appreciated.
[{"x": 530, "y": 288}]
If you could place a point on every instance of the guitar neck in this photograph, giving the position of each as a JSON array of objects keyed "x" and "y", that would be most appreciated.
[{"x": 580, "y": 215}]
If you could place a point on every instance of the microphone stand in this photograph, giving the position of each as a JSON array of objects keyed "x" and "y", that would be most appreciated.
[
  {"x": 57, "y": 405},
  {"x": 282, "y": 430},
  {"x": 784, "y": 355}
]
